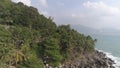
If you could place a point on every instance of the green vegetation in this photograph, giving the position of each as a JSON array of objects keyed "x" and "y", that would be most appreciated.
[{"x": 30, "y": 40}]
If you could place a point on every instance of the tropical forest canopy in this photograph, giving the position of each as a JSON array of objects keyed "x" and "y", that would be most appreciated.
[{"x": 30, "y": 40}]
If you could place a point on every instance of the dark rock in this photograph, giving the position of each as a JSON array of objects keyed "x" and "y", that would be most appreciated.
[{"x": 93, "y": 60}]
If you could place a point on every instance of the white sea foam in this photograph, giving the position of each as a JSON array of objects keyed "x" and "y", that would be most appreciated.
[{"x": 114, "y": 58}]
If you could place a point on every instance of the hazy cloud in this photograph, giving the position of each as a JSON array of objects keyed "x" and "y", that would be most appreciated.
[
  {"x": 43, "y": 3},
  {"x": 101, "y": 6},
  {"x": 26, "y": 2},
  {"x": 60, "y": 4}
]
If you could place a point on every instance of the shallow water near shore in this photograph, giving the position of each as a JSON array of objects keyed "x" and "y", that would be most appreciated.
[{"x": 110, "y": 45}]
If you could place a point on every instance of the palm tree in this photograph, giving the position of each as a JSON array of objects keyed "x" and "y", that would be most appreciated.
[{"x": 18, "y": 56}]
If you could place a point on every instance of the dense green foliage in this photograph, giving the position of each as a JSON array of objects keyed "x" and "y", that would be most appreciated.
[{"x": 30, "y": 40}]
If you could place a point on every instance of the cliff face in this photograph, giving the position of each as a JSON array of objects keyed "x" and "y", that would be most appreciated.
[{"x": 89, "y": 60}]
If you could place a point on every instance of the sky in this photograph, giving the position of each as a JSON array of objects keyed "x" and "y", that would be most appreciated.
[{"x": 97, "y": 14}]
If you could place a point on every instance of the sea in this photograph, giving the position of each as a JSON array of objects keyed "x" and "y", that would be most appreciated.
[{"x": 110, "y": 45}]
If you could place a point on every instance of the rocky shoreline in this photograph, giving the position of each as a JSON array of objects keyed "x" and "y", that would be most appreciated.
[{"x": 95, "y": 59}]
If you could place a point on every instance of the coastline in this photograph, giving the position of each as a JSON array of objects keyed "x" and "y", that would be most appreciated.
[
  {"x": 107, "y": 55},
  {"x": 114, "y": 58},
  {"x": 96, "y": 59}
]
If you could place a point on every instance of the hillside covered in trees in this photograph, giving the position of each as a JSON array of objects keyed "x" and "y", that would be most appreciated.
[{"x": 30, "y": 40}]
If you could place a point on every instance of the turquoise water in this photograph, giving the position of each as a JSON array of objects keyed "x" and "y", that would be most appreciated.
[{"x": 109, "y": 45}]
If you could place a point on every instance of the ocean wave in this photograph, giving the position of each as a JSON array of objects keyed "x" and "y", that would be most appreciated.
[{"x": 114, "y": 58}]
